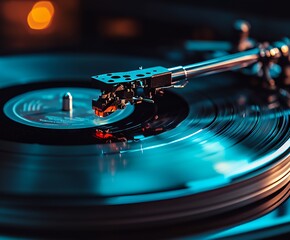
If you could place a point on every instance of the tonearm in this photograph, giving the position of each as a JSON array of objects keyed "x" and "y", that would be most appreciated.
[{"x": 137, "y": 86}]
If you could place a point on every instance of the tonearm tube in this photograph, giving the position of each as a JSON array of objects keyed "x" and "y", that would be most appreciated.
[{"x": 137, "y": 86}]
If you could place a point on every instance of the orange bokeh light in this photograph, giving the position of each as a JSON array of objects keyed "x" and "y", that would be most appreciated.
[{"x": 41, "y": 15}]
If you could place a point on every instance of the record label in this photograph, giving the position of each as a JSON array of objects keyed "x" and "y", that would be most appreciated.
[{"x": 43, "y": 109}]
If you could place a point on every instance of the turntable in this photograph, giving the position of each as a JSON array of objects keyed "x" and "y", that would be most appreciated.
[{"x": 194, "y": 144}]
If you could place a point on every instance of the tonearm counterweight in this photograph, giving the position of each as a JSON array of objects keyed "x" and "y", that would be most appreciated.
[{"x": 121, "y": 88}]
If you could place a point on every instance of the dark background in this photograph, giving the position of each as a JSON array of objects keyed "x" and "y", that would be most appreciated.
[{"x": 135, "y": 27}]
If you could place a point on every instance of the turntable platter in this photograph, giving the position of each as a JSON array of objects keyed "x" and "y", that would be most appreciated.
[{"x": 222, "y": 146}]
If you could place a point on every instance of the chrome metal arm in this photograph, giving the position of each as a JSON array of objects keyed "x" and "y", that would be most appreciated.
[
  {"x": 137, "y": 86},
  {"x": 225, "y": 63}
]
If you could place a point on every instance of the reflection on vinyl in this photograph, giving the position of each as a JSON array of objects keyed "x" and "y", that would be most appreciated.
[{"x": 212, "y": 149}]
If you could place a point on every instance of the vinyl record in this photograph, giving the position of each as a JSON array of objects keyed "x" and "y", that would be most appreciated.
[{"x": 214, "y": 148}]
